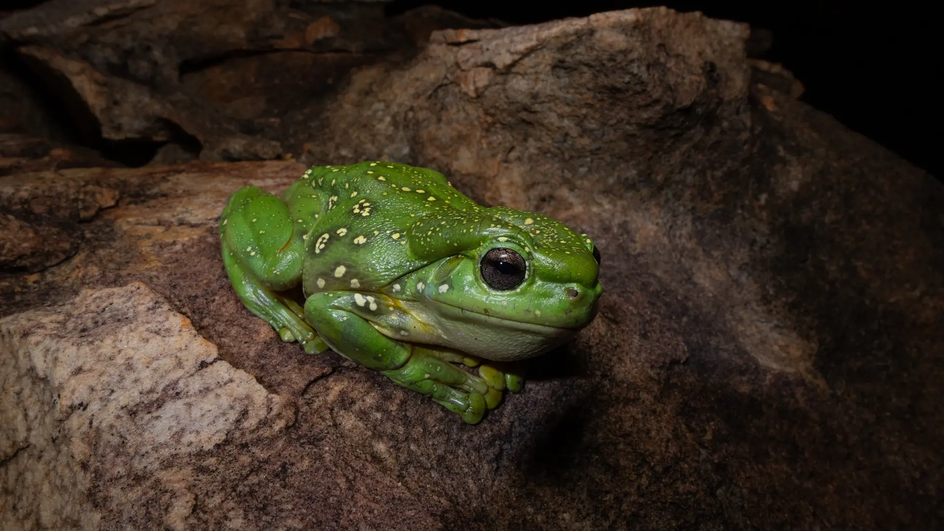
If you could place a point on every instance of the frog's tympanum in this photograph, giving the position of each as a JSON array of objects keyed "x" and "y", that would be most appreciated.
[{"x": 405, "y": 275}]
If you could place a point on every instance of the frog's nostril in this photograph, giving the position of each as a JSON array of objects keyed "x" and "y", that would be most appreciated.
[{"x": 572, "y": 293}]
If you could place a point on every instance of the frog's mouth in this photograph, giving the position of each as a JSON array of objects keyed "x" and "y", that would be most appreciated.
[
  {"x": 492, "y": 337},
  {"x": 518, "y": 323}
]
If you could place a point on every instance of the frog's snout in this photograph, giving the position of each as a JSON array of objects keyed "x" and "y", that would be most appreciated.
[{"x": 578, "y": 294}]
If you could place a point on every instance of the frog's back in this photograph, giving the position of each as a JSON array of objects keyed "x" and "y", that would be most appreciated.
[{"x": 355, "y": 220}]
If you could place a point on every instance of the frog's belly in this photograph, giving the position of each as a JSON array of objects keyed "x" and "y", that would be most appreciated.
[{"x": 476, "y": 334}]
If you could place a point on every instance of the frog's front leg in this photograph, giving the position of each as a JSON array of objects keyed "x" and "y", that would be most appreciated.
[
  {"x": 343, "y": 320},
  {"x": 263, "y": 256}
]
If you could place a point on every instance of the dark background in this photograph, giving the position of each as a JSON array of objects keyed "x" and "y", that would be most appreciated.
[{"x": 870, "y": 65}]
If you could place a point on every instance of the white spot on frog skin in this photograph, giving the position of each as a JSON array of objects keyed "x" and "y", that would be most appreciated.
[
  {"x": 404, "y": 333},
  {"x": 355, "y": 283},
  {"x": 421, "y": 191},
  {"x": 431, "y": 198},
  {"x": 342, "y": 231},
  {"x": 396, "y": 288},
  {"x": 537, "y": 313},
  {"x": 339, "y": 272},
  {"x": 254, "y": 220},
  {"x": 360, "y": 240},
  {"x": 405, "y": 189},
  {"x": 502, "y": 239},
  {"x": 322, "y": 241},
  {"x": 395, "y": 236},
  {"x": 373, "y": 163},
  {"x": 381, "y": 178},
  {"x": 261, "y": 232},
  {"x": 321, "y": 283},
  {"x": 372, "y": 303},
  {"x": 420, "y": 286},
  {"x": 359, "y": 299},
  {"x": 248, "y": 249},
  {"x": 504, "y": 304},
  {"x": 354, "y": 193},
  {"x": 528, "y": 221},
  {"x": 225, "y": 220},
  {"x": 443, "y": 288}
]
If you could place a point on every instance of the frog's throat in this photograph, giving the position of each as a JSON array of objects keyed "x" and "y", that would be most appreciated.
[
  {"x": 523, "y": 324},
  {"x": 477, "y": 334}
]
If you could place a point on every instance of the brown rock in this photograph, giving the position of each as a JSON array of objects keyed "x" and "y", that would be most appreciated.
[
  {"x": 215, "y": 77},
  {"x": 25, "y": 154},
  {"x": 768, "y": 352}
]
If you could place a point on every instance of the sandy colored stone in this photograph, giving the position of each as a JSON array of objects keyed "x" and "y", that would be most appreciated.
[{"x": 115, "y": 388}]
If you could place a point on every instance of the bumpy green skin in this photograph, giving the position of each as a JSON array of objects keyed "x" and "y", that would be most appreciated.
[{"x": 388, "y": 257}]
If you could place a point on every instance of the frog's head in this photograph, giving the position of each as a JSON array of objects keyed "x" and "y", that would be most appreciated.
[{"x": 515, "y": 284}]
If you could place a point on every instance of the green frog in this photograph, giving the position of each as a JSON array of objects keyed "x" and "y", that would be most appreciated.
[{"x": 403, "y": 274}]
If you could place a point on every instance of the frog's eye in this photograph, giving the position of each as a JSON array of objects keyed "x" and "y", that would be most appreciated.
[
  {"x": 503, "y": 269},
  {"x": 596, "y": 254}
]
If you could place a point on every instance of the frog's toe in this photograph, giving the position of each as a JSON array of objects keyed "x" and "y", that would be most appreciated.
[
  {"x": 471, "y": 407},
  {"x": 501, "y": 376},
  {"x": 286, "y": 335},
  {"x": 493, "y": 398},
  {"x": 493, "y": 377},
  {"x": 315, "y": 345},
  {"x": 513, "y": 382}
]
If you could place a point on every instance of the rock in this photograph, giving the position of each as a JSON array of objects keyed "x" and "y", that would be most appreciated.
[
  {"x": 24, "y": 154},
  {"x": 768, "y": 352},
  {"x": 114, "y": 388},
  {"x": 214, "y": 77}
]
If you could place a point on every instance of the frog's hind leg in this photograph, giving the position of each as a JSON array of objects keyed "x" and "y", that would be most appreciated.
[
  {"x": 263, "y": 256},
  {"x": 344, "y": 320}
]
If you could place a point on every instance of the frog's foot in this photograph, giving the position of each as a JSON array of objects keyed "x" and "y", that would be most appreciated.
[
  {"x": 502, "y": 376},
  {"x": 435, "y": 373},
  {"x": 294, "y": 328},
  {"x": 284, "y": 314}
]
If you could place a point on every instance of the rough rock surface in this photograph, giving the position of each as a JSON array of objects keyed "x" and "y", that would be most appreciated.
[
  {"x": 769, "y": 352},
  {"x": 219, "y": 79},
  {"x": 113, "y": 388}
]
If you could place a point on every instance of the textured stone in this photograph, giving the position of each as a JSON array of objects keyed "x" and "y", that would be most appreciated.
[
  {"x": 216, "y": 78},
  {"x": 110, "y": 398},
  {"x": 768, "y": 352}
]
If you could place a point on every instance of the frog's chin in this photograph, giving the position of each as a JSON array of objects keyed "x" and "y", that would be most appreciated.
[{"x": 491, "y": 337}]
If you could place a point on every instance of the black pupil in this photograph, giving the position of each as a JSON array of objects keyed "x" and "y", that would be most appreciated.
[
  {"x": 503, "y": 269},
  {"x": 507, "y": 268}
]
